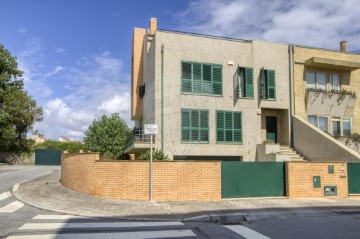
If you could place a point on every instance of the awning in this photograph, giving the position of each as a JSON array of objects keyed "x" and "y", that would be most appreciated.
[{"x": 326, "y": 63}]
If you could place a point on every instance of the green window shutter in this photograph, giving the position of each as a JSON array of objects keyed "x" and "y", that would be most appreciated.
[
  {"x": 220, "y": 125},
  {"x": 229, "y": 126},
  {"x": 197, "y": 78},
  {"x": 217, "y": 79},
  {"x": 204, "y": 125},
  {"x": 206, "y": 81},
  {"x": 195, "y": 125},
  {"x": 186, "y": 77},
  {"x": 271, "y": 91},
  {"x": 185, "y": 125},
  {"x": 237, "y": 127},
  {"x": 249, "y": 82},
  {"x": 263, "y": 87}
]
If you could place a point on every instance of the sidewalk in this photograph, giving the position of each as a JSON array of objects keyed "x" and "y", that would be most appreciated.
[{"x": 47, "y": 193}]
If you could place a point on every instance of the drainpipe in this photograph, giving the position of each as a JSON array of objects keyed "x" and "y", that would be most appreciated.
[
  {"x": 291, "y": 76},
  {"x": 162, "y": 98}
]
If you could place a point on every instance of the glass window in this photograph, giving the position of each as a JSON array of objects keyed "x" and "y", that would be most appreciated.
[
  {"x": 336, "y": 127},
  {"x": 323, "y": 123},
  {"x": 346, "y": 126},
  {"x": 335, "y": 82},
  {"x": 313, "y": 120},
  {"x": 241, "y": 83},
  {"x": 310, "y": 80},
  {"x": 321, "y": 81}
]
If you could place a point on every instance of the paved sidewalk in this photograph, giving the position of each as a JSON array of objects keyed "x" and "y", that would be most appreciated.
[{"x": 47, "y": 193}]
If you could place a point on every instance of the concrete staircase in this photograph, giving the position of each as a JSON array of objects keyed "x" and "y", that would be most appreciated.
[{"x": 290, "y": 153}]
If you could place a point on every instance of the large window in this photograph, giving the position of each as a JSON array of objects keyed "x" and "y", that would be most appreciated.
[
  {"x": 201, "y": 78},
  {"x": 245, "y": 82},
  {"x": 228, "y": 127},
  {"x": 194, "y": 125},
  {"x": 319, "y": 80},
  {"x": 321, "y": 122},
  {"x": 341, "y": 126},
  {"x": 268, "y": 90}
]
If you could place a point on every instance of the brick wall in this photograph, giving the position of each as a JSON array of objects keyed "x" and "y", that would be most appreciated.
[
  {"x": 172, "y": 181},
  {"x": 299, "y": 179}
]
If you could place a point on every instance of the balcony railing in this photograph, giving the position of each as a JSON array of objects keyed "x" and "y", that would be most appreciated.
[{"x": 140, "y": 138}]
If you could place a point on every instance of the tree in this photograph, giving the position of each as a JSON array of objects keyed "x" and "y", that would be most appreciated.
[
  {"x": 108, "y": 136},
  {"x": 18, "y": 110}
]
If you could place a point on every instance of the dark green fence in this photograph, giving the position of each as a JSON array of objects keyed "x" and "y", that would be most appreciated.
[
  {"x": 47, "y": 157},
  {"x": 354, "y": 178},
  {"x": 252, "y": 179}
]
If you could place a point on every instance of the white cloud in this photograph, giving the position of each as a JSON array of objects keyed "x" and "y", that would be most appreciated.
[
  {"x": 55, "y": 71},
  {"x": 60, "y": 50},
  {"x": 22, "y": 29},
  {"x": 319, "y": 23}
]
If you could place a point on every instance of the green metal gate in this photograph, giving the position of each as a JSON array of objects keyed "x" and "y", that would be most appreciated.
[
  {"x": 252, "y": 179},
  {"x": 354, "y": 178},
  {"x": 47, "y": 157}
]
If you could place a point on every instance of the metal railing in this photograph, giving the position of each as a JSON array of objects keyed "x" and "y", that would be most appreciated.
[{"x": 140, "y": 137}]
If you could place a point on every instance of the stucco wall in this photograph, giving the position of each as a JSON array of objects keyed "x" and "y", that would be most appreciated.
[
  {"x": 178, "y": 47},
  {"x": 315, "y": 145},
  {"x": 172, "y": 180}
]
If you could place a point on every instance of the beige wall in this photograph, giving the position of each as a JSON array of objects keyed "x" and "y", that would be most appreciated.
[
  {"x": 172, "y": 180},
  {"x": 299, "y": 179},
  {"x": 178, "y": 47},
  {"x": 348, "y": 80},
  {"x": 315, "y": 145}
]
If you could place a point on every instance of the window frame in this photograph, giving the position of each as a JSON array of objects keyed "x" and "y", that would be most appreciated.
[
  {"x": 341, "y": 120},
  {"x": 202, "y": 81},
  {"x": 329, "y": 80},
  {"x": 318, "y": 121},
  {"x": 264, "y": 84},
  {"x": 233, "y": 129},
  {"x": 244, "y": 90},
  {"x": 193, "y": 128}
]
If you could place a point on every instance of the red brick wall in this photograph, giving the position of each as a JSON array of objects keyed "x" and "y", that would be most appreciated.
[{"x": 172, "y": 180}]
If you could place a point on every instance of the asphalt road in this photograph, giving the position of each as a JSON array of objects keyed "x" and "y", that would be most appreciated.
[{"x": 20, "y": 221}]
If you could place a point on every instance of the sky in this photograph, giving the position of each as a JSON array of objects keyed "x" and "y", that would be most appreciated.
[{"x": 76, "y": 54}]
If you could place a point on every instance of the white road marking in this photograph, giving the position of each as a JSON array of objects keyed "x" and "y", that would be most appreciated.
[
  {"x": 64, "y": 225},
  {"x": 5, "y": 195},
  {"x": 58, "y": 217},
  {"x": 112, "y": 235},
  {"x": 12, "y": 207},
  {"x": 246, "y": 232}
]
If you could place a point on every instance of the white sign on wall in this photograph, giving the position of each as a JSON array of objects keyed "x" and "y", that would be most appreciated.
[{"x": 150, "y": 129}]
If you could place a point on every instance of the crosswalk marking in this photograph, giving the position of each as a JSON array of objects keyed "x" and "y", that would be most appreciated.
[
  {"x": 246, "y": 232},
  {"x": 5, "y": 195},
  {"x": 112, "y": 235},
  {"x": 64, "y": 225},
  {"x": 12, "y": 207}
]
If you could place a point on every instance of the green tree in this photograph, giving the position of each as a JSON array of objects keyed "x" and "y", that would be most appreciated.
[
  {"x": 108, "y": 136},
  {"x": 72, "y": 147},
  {"x": 18, "y": 110}
]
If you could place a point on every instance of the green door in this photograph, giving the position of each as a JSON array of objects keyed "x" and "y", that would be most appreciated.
[
  {"x": 271, "y": 128},
  {"x": 47, "y": 157},
  {"x": 252, "y": 179},
  {"x": 354, "y": 178}
]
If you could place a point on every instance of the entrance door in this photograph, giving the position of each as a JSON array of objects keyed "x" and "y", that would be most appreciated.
[{"x": 271, "y": 128}]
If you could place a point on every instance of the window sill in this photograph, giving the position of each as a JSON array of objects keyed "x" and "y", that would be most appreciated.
[
  {"x": 230, "y": 143},
  {"x": 268, "y": 99},
  {"x": 194, "y": 142},
  {"x": 199, "y": 94},
  {"x": 246, "y": 98}
]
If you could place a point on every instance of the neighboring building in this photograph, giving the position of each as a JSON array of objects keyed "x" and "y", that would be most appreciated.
[
  {"x": 39, "y": 138},
  {"x": 221, "y": 98},
  {"x": 64, "y": 139}
]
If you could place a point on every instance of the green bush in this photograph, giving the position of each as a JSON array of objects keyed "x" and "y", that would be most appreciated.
[
  {"x": 158, "y": 154},
  {"x": 71, "y": 147}
]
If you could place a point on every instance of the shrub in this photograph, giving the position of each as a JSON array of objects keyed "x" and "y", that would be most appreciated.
[{"x": 157, "y": 154}]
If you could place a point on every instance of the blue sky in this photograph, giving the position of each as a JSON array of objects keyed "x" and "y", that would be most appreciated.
[{"x": 75, "y": 54}]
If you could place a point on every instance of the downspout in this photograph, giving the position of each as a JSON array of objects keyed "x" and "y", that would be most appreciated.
[
  {"x": 162, "y": 98},
  {"x": 291, "y": 75}
]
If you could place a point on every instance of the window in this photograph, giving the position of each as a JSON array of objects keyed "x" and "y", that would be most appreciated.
[
  {"x": 201, "y": 78},
  {"x": 194, "y": 125},
  {"x": 268, "y": 90},
  {"x": 320, "y": 122},
  {"x": 318, "y": 80},
  {"x": 228, "y": 127},
  {"x": 335, "y": 82},
  {"x": 342, "y": 126},
  {"x": 245, "y": 82}
]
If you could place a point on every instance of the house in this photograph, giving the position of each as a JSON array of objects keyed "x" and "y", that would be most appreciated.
[
  {"x": 39, "y": 138},
  {"x": 223, "y": 98},
  {"x": 64, "y": 139}
]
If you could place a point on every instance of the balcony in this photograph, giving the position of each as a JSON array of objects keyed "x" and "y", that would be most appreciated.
[
  {"x": 140, "y": 142},
  {"x": 325, "y": 63},
  {"x": 335, "y": 104}
]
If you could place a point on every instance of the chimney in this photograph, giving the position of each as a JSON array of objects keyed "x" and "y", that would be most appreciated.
[
  {"x": 343, "y": 46},
  {"x": 152, "y": 26}
]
